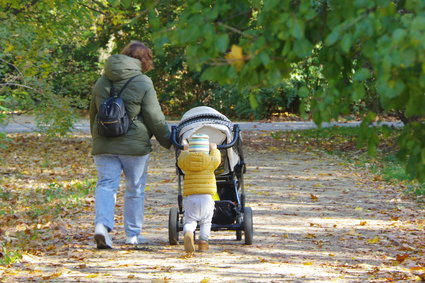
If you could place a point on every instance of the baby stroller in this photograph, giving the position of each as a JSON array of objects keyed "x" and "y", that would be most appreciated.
[{"x": 230, "y": 212}]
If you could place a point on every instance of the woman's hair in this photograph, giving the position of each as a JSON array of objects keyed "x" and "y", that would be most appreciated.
[{"x": 138, "y": 50}]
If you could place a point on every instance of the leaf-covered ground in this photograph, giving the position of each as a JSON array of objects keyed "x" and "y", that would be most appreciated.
[{"x": 316, "y": 219}]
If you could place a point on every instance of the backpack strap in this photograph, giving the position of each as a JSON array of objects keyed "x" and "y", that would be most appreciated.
[{"x": 112, "y": 92}]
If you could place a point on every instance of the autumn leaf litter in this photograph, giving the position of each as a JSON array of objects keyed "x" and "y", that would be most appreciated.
[{"x": 316, "y": 219}]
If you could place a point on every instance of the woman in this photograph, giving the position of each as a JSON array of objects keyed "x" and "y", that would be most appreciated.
[{"x": 128, "y": 153}]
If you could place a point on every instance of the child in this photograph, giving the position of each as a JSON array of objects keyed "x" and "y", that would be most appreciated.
[{"x": 198, "y": 160}]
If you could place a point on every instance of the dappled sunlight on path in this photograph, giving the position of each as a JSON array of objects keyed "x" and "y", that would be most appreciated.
[{"x": 316, "y": 219}]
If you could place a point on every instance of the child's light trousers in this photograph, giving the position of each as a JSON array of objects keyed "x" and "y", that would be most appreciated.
[{"x": 198, "y": 208}]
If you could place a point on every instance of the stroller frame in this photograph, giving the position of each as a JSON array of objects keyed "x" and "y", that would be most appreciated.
[{"x": 231, "y": 186}]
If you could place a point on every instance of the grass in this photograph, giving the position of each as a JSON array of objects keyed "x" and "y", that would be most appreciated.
[
  {"x": 36, "y": 213},
  {"x": 46, "y": 184},
  {"x": 343, "y": 142},
  {"x": 9, "y": 255}
]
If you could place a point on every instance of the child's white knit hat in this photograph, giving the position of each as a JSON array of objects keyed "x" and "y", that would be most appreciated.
[{"x": 199, "y": 143}]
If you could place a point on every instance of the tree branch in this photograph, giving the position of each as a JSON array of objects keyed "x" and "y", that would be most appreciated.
[
  {"x": 93, "y": 9},
  {"x": 20, "y": 85},
  {"x": 235, "y": 30}
]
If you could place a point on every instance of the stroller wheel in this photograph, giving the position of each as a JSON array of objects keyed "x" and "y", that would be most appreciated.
[
  {"x": 248, "y": 226},
  {"x": 238, "y": 235},
  {"x": 173, "y": 219}
]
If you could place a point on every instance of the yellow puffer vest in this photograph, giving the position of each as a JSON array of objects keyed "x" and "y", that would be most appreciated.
[{"x": 199, "y": 169}]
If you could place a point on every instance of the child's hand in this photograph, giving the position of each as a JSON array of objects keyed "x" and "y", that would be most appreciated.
[
  {"x": 185, "y": 145},
  {"x": 213, "y": 146}
]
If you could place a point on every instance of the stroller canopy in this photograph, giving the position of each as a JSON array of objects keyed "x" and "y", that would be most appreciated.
[
  {"x": 207, "y": 120},
  {"x": 203, "y": 114}
]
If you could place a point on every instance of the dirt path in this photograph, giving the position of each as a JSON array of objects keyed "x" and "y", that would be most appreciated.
[{"x": 315, "y": 218}]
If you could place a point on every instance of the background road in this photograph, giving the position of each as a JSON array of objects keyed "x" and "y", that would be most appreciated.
[{"x": 20, "y": 124}]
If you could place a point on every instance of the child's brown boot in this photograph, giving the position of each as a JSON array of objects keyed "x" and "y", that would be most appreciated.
[
  {"x": 203, "y": 245},
  {"x": 189, "y": 245}
]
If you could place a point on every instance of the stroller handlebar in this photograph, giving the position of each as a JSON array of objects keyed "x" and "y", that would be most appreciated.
[{"x": 236, "y": 131}]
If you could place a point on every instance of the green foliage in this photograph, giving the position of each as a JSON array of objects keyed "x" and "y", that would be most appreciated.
[
  {"x": 38, "y": 73},
  {"x": 412, "y": 148},
  {"x": 332, "y": 58},
  {"x": 9, "y": 255},
  {"x": 365, "y": 51}
]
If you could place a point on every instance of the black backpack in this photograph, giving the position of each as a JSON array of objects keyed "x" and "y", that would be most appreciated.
[{"x": 112, "y": 119}]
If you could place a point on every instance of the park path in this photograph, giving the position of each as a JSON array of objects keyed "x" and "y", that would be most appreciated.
[
  {"x": 316, "y": 219},
  {"x": 26, "y": 123}
]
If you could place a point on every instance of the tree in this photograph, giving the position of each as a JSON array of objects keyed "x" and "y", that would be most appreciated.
[
  {"x": 334, "y": 55},
  {"x": 38, "y": 43},
  {"x": 53, "y": 51},
  {"x": 361, "y": 46}
]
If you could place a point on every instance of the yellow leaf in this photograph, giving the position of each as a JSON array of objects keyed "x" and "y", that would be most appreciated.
[
  {"x": 417, "y": 268},
  {"x": 235, "y": 57},
  {"x": 373, "y": 240},
  {"x": 359, "y": 208},
  {"x": 205, "y": 280},
  {"x": 92, "y": 275},
  {"x": 9, "y": 48},
  {"x": 186, "y": 255},
  {"x": 50, "y": 248},
  {"x": 308, "y": 263},
  {"x": 52, "y": 276},
  {"x": 131, "y": 276},
  {"x": 310, "y": 236},
  {"x": 362, "y": 223}
]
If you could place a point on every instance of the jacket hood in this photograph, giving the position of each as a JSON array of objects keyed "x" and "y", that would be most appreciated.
[{"x": 121, "y": 67}]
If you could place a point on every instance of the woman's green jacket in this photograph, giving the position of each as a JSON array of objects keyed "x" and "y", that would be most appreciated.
[{"x": 141, "y": 104}]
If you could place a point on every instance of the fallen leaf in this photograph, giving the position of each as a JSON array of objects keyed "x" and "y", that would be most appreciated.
[
  {"x": 52, "y": 276},
  {"x": 310, "y": 236},
  {"x": 186, "y": 255},
  {"x": 353, "y": 232},
  {"x": 401, "y": 258},
  {"x": 373, "y": 240}
]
